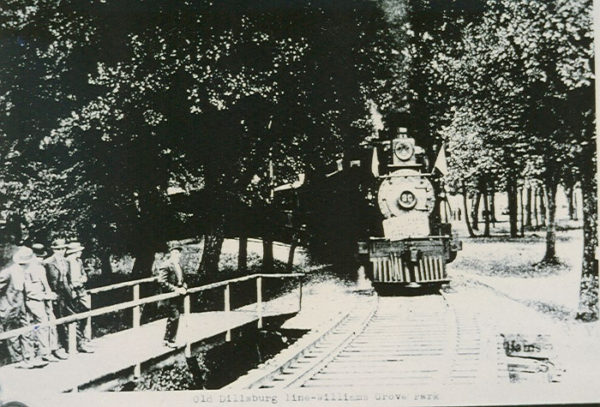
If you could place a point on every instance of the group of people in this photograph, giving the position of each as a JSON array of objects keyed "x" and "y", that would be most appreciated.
[{"x": 35, "y": 289}]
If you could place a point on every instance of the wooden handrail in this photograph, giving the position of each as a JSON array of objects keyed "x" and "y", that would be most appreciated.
[
  {"x": 121, "y": 285},
  {"x": 281, "y": 275},
  {"x": 135, "y": 303},
  {"x": 131, "y": 283}
]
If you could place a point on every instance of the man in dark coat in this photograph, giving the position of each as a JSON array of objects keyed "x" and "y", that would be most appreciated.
[
  {"x": 170, "y": 278},
  {"x": 75, "y": 294},
  {"x": 57, "y": 269}
]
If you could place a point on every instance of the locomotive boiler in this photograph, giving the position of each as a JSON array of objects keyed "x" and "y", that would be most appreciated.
[{"x": 416, "y": 245}]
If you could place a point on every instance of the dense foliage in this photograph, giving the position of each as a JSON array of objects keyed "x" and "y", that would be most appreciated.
[
  {"x": 131, "y": 98},
  {"x": 107, "y": 105}
]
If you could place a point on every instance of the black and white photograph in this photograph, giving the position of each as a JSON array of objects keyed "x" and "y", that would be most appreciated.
[{"x": 298, "y": 202}]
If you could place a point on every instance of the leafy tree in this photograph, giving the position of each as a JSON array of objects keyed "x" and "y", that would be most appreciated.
[
  {"x": 526, "y": 67},
  {"x": 44, "y": 53},
  {"x": 300, "y": 103}
]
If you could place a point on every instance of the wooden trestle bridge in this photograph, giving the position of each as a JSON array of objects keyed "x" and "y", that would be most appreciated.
[{"x": 128, "y": 352}]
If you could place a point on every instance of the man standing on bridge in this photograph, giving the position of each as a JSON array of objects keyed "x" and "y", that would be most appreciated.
[
  {"x": 38, "y": 303},
  {"x": 12, "y": 309},
  {"x": 56, "y": 273},
  {"x": 76, "y": 301},
  {"x": 170, "y": 278}
]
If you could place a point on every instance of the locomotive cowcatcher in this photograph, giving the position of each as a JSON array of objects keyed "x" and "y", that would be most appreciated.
[{"x": 416, "y": 245}]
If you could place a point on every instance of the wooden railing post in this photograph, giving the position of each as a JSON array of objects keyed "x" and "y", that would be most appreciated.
[
  {"x": 259, "y": 310},
  {"x": 227, "y": 301},
  {"x": 186, "y": 315},
  {"x": 136, "y": 309},
  {"x": 73, "y": 338},
  {"x": 88, "y": 325}
]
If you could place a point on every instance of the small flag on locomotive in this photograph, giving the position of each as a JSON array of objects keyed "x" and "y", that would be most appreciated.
[{"x": 416, "y": 245}]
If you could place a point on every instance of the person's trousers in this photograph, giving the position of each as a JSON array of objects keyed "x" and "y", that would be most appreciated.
[
  {"x": 58, "y": 333},
  {"x": 45, "y": 337},
  {"x": 75, "y": 306},
  {"x": 174, "y": 307},
  {"x": 20, "y": 347},
  {"x": 62, "y": 332}
]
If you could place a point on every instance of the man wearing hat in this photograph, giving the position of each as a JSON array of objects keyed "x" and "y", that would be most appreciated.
[
  {"x": 74, "y": 288},
  {"x": 37, "y": 295},
  {"x": 171, "y": 280},
  {"x": 56, "y": 273},
  {"x": 13, "y": 314},
  {"x": 56, "y": 265},
  {"x": 41, "y": 291}
]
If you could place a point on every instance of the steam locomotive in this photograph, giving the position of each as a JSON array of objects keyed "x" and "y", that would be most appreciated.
[{"x": 416, "y": 245}]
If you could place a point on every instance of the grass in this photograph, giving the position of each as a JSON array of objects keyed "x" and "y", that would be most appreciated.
[
  {"x": 513, "y": 268},
  {"x": 503, "y": 256},
  {"x": 556, "y": 311}
]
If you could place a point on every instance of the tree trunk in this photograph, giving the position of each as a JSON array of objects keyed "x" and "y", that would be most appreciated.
[
  {"x": 142, "y": 268},
  {"x": 465, "y": 202},
  {"x": 550, "y": 256},
  {"x": 493, "y": 204},
  {"x": 570, "y": 194},
  {"x": 492, "y": 209},
  {"x": 290, "y": 262},
  {"x": 475, "y": 211},
  {"x": 213, "y": 243},
  {"x": 267, "y": 266},
  {"x": 535, "y": 208},
  {"x": 486, "y": 214},
  {"x": 511, "y": 192},
  {"x": 243, "y": 254},
  {"x": 542, "y": 207},
  {"x": 267, "y": 240},
  {"x": 574, "y": 202},
  {"x": 588, "y": 294},
  {"x": 528, "y": 208},
  {"x": 105, "y": 266},
  {"x": 144, "y": 258},
  {"x": 522, "y": 211}
]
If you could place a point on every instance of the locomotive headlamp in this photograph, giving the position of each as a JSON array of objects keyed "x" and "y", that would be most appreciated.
[
  {"x": 404, "y": 150},
  {"x": 403, "y": 153}
]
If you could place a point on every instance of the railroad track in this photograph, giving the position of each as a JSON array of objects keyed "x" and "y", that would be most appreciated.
[{"x": 421, "y": 340}]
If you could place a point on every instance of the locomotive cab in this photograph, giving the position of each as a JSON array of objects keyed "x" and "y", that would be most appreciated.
[{"x": 413, "y": 251}]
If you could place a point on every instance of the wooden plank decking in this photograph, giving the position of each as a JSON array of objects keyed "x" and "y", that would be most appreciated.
[{"x": 126, "y": 349}]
